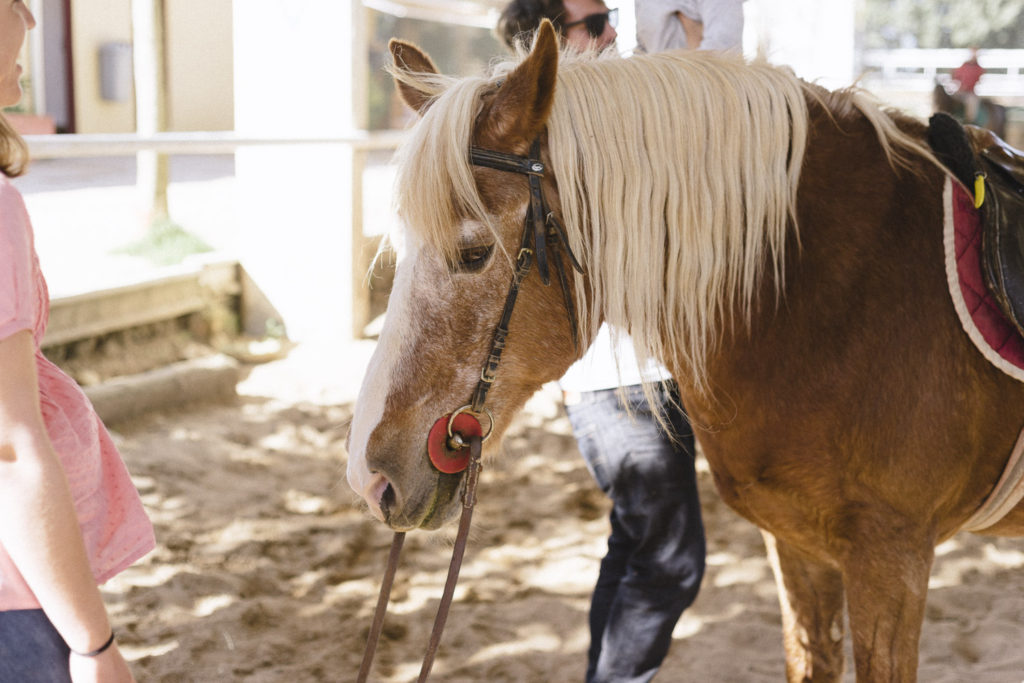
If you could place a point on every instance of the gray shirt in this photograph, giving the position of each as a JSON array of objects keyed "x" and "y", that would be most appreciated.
[{"x": 658, "y": 28}]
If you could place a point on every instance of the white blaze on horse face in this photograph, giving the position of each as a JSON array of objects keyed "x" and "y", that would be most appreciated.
[
  {"x": 423, "y": 291},
  {"x": 381, "y": 373}
]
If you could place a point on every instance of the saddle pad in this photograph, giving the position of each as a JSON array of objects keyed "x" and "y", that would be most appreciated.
[
  {"x": 991, "y": 333},
  {"x": 995, "y": 337}
]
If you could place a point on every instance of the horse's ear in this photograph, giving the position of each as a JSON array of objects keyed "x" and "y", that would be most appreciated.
[
  {"x": 521, "y": 106},
  {"x": 408, "y": 58}
]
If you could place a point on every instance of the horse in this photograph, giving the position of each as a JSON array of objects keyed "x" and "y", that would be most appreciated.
[
  {"x": 990, "y": 114},
  {"x": 776, "y": 245}
]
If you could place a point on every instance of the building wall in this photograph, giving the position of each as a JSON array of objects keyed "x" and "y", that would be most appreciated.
[
  {"x": 93, "y": 23},
  {"x": 199, "y": 64}
]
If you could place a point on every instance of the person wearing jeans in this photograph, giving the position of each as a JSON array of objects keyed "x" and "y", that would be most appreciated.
[{"x": 655, "y": 560}]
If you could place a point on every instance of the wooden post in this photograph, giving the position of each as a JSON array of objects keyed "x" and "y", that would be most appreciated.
[
  {"x": 362, "y": 249},
  {"x": 152, "y": 174}
]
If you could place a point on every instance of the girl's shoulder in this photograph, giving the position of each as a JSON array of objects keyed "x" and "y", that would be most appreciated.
[
  {"x": 12, "y": 205},
  {"x": 15, "y": 229},
  {"x": 9, "y": 194}
]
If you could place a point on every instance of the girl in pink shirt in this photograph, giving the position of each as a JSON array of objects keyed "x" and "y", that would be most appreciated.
[{"x": 70, "y": 517}]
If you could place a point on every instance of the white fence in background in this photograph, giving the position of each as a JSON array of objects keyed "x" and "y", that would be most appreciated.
[
  {"x": 344, "y": 208},
  {"x": 918, "y": 70},
  {"x": 218, "y": 142}
]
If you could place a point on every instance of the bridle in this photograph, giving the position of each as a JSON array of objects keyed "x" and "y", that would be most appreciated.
[
  {"x": 543, "y": 232},
  {"x": 455, "y": 441}
]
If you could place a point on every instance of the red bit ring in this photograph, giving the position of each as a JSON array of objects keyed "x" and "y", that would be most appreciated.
[{"x": 447, "y": 444}]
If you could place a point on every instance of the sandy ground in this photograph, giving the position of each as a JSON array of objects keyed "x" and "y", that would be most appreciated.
[{"x": 268, "y": 570}]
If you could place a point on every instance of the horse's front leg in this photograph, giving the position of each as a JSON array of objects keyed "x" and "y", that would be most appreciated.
[
  {"x": 885, "y": 572},
  {"x": 811, "y": 596}
]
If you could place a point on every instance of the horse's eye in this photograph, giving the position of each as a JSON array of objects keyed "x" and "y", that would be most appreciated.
[{"x": 472, "y": 259}]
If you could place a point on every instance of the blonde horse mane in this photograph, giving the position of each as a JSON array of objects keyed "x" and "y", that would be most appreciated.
[{"x": 677, "y": 176}]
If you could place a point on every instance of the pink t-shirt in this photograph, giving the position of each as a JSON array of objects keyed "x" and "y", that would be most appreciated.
[{"x": 114, "y": 525}]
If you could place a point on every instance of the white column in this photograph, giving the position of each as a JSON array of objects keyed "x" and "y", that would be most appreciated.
[{"x": 299, "y": 69}]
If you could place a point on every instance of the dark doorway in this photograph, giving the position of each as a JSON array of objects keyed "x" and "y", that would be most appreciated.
[{"x": 55, "y": 71}]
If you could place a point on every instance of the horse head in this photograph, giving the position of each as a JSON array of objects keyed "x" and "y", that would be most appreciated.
[{"x": 457, "y": 257}]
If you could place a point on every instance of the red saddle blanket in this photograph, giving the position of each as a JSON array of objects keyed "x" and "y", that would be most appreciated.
[{"x": 995, "y": 337}]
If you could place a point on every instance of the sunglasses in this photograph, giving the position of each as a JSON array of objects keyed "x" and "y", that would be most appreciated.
[{"x": 594, "y": 23}]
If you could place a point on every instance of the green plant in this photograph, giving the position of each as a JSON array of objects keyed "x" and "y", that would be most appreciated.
[{"x": 165, "y": 243}]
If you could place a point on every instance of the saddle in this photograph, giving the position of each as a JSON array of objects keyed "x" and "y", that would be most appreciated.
[{"x": 995, "y": 172}]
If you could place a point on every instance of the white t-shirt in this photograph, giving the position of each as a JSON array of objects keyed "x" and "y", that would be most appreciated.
[
  {"x": 658, "y": 28},
  {"x": 598, "y": 370}
]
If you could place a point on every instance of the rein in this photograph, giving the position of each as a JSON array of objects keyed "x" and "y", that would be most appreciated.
[
  {"x": 542, "y": 231},
  {"x": 468, "y": 501}
]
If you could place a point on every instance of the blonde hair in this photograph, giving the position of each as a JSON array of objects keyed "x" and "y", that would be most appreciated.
[
  {"x": 677, "y": 175},
  {"x": 13, "y": 150}
]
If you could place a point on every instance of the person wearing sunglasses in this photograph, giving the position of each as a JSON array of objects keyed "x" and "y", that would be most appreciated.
[
  {"x": 596, "y": 27},
  {"x": 654, "y": 565},
  {"x": 582, "y": 24},
  {"x": 693, "y": 24}
]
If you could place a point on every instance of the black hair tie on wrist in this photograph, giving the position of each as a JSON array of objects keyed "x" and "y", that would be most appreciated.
[{"x": 98, "y": 651}]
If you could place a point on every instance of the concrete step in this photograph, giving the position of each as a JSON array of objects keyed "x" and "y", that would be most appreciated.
[
  {"x": 199, "y": 287},
  {"x": 176, "y": 292}
]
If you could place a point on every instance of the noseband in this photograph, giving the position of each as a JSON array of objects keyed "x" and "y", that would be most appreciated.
[{"x": 542, "y": 232}]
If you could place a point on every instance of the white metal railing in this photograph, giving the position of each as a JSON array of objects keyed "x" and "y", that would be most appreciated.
[
  {"x": 478, "y": 13},
  {"x": 227, "y": 142},
  {"x": 918, "y": 70},
  {"x": 220, "y": 142}
]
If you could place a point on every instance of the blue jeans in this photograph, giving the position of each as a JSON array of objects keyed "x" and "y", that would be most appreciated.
[
  {"x": 31, "y": 650},
  {"x": 655, "y": 559}
]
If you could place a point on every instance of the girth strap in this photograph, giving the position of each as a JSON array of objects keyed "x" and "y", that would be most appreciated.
[{"x": 1006, "y": 495}]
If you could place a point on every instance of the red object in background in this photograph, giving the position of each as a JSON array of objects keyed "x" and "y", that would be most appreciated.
[{"x": 968, "y": 74}]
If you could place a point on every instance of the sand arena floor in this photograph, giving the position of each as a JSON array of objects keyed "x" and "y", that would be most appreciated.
[{"x": 268, "y": 569}]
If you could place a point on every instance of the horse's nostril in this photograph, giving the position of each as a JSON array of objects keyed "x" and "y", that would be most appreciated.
[{"x": 387, "y": 501}]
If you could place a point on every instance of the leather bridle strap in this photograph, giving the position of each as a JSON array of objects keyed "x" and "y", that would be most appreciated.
[
  {"x": 487, "y": 375},
  {"x": 468, "y": 501},
  {"x": 382, "y": 606},
  {"x": 541, "y": 231}
]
